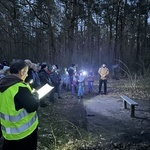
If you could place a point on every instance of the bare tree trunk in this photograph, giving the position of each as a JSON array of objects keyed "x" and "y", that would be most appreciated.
[
  {"x": 116, "y": 50},
  {"x": 138, "y": 53}
]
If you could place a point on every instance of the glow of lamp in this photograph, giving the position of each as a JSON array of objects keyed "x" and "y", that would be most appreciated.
[{"x": 84, "y": 73}]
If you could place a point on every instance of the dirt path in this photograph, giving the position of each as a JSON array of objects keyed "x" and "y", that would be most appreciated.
[{"x": 106, "y": 117}]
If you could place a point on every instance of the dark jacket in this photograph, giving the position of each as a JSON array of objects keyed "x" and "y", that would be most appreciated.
[
  {"x": 33, "y": 75},
  {"x": 55, "y": 78},
  {"x": 44, "y": 77},
  {"x": 71, "y": 71}
]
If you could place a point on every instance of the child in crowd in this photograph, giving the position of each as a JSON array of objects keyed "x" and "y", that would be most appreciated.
[
  {"x": 81, "y": 83},
  {"x": 90, "y": 80}
]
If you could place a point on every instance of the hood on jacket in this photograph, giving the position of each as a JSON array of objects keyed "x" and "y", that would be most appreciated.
[{"x": 8, "y": 81}]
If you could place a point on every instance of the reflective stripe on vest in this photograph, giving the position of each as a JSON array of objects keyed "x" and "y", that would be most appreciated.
[
  {"x": 14, "y": 118},
  {"x": 21, "y": 128}
]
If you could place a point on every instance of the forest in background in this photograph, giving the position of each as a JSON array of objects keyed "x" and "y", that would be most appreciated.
[{"x": 83, "y": 32}]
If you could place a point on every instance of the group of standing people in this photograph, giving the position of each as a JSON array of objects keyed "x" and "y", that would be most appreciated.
[
  {"x": 75, "y": 81},
  {"x": 19, "y": 104},
  {"x": 44, "y": 74}
]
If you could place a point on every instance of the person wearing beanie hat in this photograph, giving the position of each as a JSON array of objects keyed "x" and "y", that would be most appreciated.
[
  {"x": 56, "y": 80},
  {"x": 45, "y": 78},
  {"x": 18, "y": 119}
]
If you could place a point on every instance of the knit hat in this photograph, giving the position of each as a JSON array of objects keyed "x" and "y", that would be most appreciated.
[
  {"x": 28, "y": 62},
  {"x": 43, "y": 66},
  {"x": 5, "y": 68}
]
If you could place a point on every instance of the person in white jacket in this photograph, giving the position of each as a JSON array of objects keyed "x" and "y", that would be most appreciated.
[{"x": 103, "y": 72}]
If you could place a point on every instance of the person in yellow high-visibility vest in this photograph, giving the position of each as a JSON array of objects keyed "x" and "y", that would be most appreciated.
[{"x": 18, "y": 106}]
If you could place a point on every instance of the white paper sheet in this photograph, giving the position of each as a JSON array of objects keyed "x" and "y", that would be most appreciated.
[{"x": 44, "y": 90}]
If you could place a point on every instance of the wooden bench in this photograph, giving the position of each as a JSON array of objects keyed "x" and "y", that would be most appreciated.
[{"x": 131, "y": 102}]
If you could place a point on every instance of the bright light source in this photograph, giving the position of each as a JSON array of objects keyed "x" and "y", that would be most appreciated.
[
  {"x": 31, "y": 81},
  {"x": 44, "y": 90},
  {"x": 66, "y": 72},
  {"x": 84, "y": 73}
]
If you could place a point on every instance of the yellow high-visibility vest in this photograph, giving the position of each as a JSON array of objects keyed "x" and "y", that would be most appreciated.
[{"x": 15, "y": 124}]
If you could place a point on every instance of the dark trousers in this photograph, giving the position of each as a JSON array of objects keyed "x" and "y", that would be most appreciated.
[
  {"x": 105, "y": 85},
  {"x": 70, "y": 81},
  {"x": 51, "y": 95},
  {"x": 28, "y": 143},
  {"x": 56, "y": 89}
]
